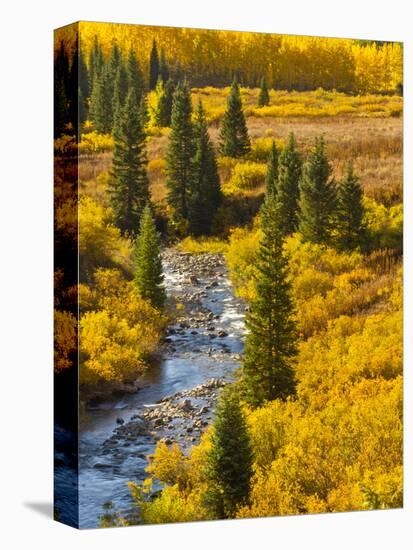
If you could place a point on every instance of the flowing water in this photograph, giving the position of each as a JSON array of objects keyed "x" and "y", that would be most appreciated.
[{"x": 207, "y": 345}]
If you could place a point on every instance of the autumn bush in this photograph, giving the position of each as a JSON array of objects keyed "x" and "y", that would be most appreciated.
[
  {"x": 118, "y": 330},
  {"x": 245, "y": 176}
]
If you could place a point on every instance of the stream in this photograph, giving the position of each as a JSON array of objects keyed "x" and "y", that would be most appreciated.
[{"x": 176, "y": 398}]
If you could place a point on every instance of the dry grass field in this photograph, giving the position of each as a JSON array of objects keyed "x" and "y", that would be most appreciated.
[{"x": 372, "y": 143}]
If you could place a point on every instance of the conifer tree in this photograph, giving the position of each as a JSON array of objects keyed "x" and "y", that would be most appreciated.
[
  {"x": 234, "y": 139},
  {"x": 180, "y": 152},
  {"x": 272, "y": 171},
  {"x": 120, "y": 93},
  {"x": 229, "y": 462},
  {"x": 112, "y": 66},
  {"x": 84, "y": 90},
  {"x": 163, "y": 68},
  {"x": 61, "y": 100},
  {"x": 101, "y": 102},
  {"x": 289, "y": 173},
  {"x": 130, "y": 188},
  {"x": 143, "y": 110},
  {"x": 163, "y": 111},
  {"x": 318, "y": 198},
  {"x": 271, "y": 343},
  {"x": 135, "y": 77},
  {"x": 205, "y": 189},
  {"x": 148, "y": 263},
  {"x": 153, "y": 66},
  {"x": 351, "y": 230},
  {"x": 96, "y": 62},
  {"x": 263, "y": 96}
]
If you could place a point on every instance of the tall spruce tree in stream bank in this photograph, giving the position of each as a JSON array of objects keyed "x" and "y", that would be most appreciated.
[
  {"x": 229, "y": 463},
  {"x": 163, "y": 109},
  {"x": 130, "y": 187},
  {"x": 135, "y": 77},
  {"x": 120, "y": 93},
  {"x": 205, "y": 194},
  {"x": 148, "y": 263},
  {"x": 271, "y": 344},
  {"x": 351, "y": 230},
  {"x": 179, "y": 157},
  {"x": 272, "y": 171},
  {"x": 263, "y": 96},
  {"x": 153, "y": 66},
  {"x": 318, "y": 197},
  {"x": 290, "y": 166},
  {"x": 101, "y": 102},
  {"x": 234, "y": 139}
]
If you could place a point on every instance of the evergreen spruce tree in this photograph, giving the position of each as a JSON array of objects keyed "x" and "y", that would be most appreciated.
[
  {"x": 272, "y": 171},
  {"x": 351, "y": 230},
  {"x": 263, "y": 96},
  {"x": 163, "y": 68},
  {"x": 180, "y": 152},
  {"x": 205, "y": 189},
  {"x": 120, "y": 93},
  {"x": 318, "y": 198},
  {"x": 163, "y": 111},
  {"x": 129, "y": 188},
  {"x": 148, "y": 263},
  {"x": 143, "y": 110},
  {"x": 229, "y": 462},
  {"x": 101, "y": 102},
  {"x": 289, "y": 173},
  {"x": 135, "y": 77},
  {"x": 153, "y": 66},
  {"x": 271, "y": 343},
  {"x": 96, "y": 62},
  {"x": 84, "y": 90},
  {"x": 61, "y": 100},
  {"x": 234, "y": 139}
]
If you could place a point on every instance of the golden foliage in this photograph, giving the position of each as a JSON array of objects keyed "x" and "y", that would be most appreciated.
[
  {"x": 120, "y": 333},
  {"x": 341, "y": 64},
  {"x": 65, "y": 339}
]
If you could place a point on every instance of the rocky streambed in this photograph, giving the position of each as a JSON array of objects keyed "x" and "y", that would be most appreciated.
[{"x": 176, "y": 399}]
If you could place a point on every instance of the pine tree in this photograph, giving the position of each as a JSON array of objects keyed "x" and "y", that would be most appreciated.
[
  {"x": 351, "y": 230},
  {"x": 61, "y": 100},
  {"x": 96, "y": 62},
  {"x": 114, "y": 62},
  {"x": 163, "y": 111},
  {"x": 143, "y": 110},
  {"x": 130, "y": 188},
  {"x": 289, "y": 173},
  {"x": 271, "y": 343},
  {"x": 180, "y": 152},
  {"x": 229, "y": 462},
  {"x": 153, "y": 66},
  {"x": 163, "y": 68},
  {"x": 318, "y": 198},
  {"x": 101, "y": 102},
  {"x": 234, "y": 139},
  {"x": 205, "y": 189},
  {"x": 272, "y": 171},
  {"x": 263, "y": 96},
  {"x": 148, "y": 263},
  {"x": 135, "y": 77},
  {"x": 84, "y": 90},
  {"x": 120, "y": 93}
]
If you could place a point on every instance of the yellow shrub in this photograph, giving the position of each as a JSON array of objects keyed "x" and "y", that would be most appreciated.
[
  {"x": 245, "y": 176},
  {"x": 210, "y": 245},
  {"x": 65, "y": 339},
  {"x": 118, "y": 337}
]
